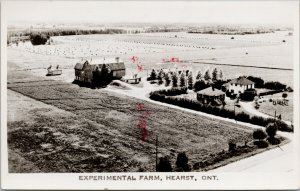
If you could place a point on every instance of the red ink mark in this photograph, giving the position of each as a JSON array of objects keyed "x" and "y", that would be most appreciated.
[
  {"x": 164, "y": 60},
  {"x": 135, "y": 60},
  {"x": 142, "y": 124},
  {"x": 139, "y": 106}
]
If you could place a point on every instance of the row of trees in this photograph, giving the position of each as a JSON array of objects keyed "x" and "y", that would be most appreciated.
[
  {"x": 41, "y": 37},
  {"x": 186, "y": 79}
]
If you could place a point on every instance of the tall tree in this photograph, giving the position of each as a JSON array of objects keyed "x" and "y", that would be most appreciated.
[
  {"x": 199, "y": 75},
  {"x": 215, "y": 75},
  {"x": 174, "y": 80},
  {"x": 207, "y": 75},
  {"x": 167, "y": 79},
  {"x": 190, "y": 80},
  {"x": 221, "y": 75},
  {"x": 153, "y": 75},
  {"x": 182, "y": 80}
]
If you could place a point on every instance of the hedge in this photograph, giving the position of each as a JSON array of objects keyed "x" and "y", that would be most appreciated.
[{"x": 222, "y": 112}]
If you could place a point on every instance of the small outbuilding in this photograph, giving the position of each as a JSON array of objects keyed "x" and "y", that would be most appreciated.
[{"x": 211, "y": 95}]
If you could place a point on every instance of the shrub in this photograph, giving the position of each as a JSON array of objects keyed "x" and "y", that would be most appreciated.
[
  {"x": 242, "y": 117},
  {"x": 284, "y": 95},
  {"x": 271, "y": 129},
  {"x": 261, "y": 144},
  {"x": 38, "y": 39},
  {"x": 273, "y": 140},
  {"x": 259, "y": 83},
  {"x": 200, "y": 85},
  {"x": 274, "y": 85},
  {"x": 167, "y": 79},
  {"x": 182, "y": 162},
  {"x": 164, "y": 165},
  {"x": 231, "y": 145},
  {"x": 259, "y": 134}
]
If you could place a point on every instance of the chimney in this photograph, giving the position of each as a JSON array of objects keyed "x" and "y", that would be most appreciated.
[{"x": 117, "y": 59}]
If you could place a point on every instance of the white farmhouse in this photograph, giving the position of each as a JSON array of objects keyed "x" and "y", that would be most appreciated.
[{"x": 239, "y": 85}]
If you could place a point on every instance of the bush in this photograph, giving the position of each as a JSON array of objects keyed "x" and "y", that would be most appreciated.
[
  {"x": 182, "y": 162},
  {"x": 164, "y": 165},
  {"x": 275, "y": 85},
  {"x": 200, "y": 85},
  {"x": 38, "y": 39},
  {"x": 273, "y": 140},
  {"x": 231, "y": 146},
  {"x": 259, "y": 83},
  {"x": 242, "y": 117},
  {"x": 261, "y": 144},
  {"x": 259, "y": 134},
  {"x": 271, "y": 129},
  {"x": 284, "y": 95}
]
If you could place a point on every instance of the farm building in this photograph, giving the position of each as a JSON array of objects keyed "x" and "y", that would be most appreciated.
[
  {"x": 85, "y": 70},
  {"x": 135, "y": 79},
  {"x": 211, "y": 95},
  {"x": 240, "y": 85}
]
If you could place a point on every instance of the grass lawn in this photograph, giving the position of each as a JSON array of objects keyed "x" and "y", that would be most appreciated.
[
  {"x": 73, "y": 129},
  {"x": 286, "y": 112}
]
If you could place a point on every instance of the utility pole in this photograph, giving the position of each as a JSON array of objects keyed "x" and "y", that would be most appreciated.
[{"x": 156, "y": 143}]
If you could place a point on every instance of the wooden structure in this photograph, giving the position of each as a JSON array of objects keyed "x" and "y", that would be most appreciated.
[
  {"x": 85, "y": 70},
  {"x": 131, "y": 80},
  {"x": 211, "y": 95}
]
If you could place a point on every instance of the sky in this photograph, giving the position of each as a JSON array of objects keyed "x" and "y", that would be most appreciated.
[{"x": 266, "y": 12}]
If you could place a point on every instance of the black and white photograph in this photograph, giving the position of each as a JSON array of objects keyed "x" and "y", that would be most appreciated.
[{"x": 166, "y": 92}]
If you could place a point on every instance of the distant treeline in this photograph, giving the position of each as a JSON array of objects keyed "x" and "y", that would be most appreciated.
[
  {"x": 37, "y": 37},
  {"x": 230, "y": 33}
]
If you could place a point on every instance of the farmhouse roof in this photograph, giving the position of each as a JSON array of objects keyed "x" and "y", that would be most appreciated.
[
  {"x": 78, "y": 66},
  {"x": 241, "y": 81},
  {"x": 210, "y": 91}
]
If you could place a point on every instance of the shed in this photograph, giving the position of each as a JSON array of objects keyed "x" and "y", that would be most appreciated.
[{"x": 211, "y": 95}]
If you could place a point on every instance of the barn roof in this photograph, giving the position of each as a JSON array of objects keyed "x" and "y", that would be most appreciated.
[
  {"x": 78, "y": 66},
  {"x": 211, "y": 92},
  {"x": 241, "y": 81}
]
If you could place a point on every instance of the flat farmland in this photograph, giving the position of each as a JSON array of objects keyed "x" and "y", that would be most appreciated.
[
  {"x": 64, "y": 128},
  {"x": 260, "y": 50}
]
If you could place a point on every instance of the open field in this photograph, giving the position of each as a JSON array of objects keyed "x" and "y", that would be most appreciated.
[
  {"x": 265, "y": 50},
  {"x": 77, "y": 129},
  {"x": 286, "y": 112}
]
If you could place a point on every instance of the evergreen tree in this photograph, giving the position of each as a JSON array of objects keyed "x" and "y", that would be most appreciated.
[
  {"x": 221, "y": 75},
  {"x": 174, "y": 80},
  {"x": 207, "y": 75},
  {"x": 160, "y": 77},
  {"x": 199, "y": 75},
  {"x": 153, "y": 75},
  {"x": 215, "y": 75},
  {"x": 182, "y": 80},
  {"x": 167, "y": 79},
  {"x": 190, "y": 80}
]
